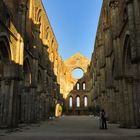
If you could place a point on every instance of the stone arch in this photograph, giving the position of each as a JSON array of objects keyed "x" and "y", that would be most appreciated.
[
  {"x": 5, "y": 38},
  {"x": 52, "y": 42},
  {"x": 51, "y": 48},
  {"x": 129, "y": 74},
  {"x": 126, "y": 41},
  {"x": 47, "y": 36},
  {"x": 38, "y": 15},
  {"x": 77, "y": 68},
  {"x": 77, "y": 61},
  {"x": 39, "y": 21},
  {"x": 127, "y": 57}
]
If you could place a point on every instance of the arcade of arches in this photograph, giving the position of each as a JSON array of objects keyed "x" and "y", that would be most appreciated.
[{"x": 34, "y": 78}]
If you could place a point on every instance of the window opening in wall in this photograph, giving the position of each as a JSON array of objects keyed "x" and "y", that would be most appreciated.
[
  {"x": 77, "y": 73},
  {"x": 78, "y": 101},
  {"x": 70, "y": 102},
  {"x": 85, "y": 101},
  {"x": 84, "y": 86},
  {"x": 78, "y": 86}
]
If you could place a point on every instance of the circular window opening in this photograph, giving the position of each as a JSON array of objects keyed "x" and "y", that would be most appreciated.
[{"x": 77, "y": 73}]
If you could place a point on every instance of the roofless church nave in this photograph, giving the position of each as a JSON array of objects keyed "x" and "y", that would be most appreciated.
[{"x": 34, "y": 78}]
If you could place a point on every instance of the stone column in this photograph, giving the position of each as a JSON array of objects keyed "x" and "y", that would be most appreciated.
[
  {"x": 138, "y": 90},
  {"x": 136, "y": 101},
  {"x": 116, "y": 48},
  {"x": 8, "y": 102},
  {"x": 128, "y": 104},
  {"x": 121, "y": 104},
  {"x": 110, "y": 113},
  {"x": 132, "y": 108},
  {"x": 33, "y": 114},
  {"x": 137, "y": 25},
  {"x": 131, "y": 22}
]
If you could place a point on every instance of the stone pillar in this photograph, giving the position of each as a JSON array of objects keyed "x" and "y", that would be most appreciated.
[
  {"x": 137, "y": 25},
  {"x": 136, "y": 100},
  {"x": 33, "y": 114},
  {"x": 121, "y": 104},
  {"x": 108, "y": 103},
  {"x": 11, "y": 88},
  {"x": 22, "y": 107},
  {"x": 7, "y": 88},
  {"x": 132, "y": 109},
  {"x": 112, "y": 106},
  {"x": 138, "y": 90},
  {"x": 26, "y": 104},
  {"x": 11, "y": 116},
  {"x": 128, "y": 102},
  {"x": 117, "y": 73},
  {"x": 131, "y": 22},
  {"x": 22, "y": 17}
]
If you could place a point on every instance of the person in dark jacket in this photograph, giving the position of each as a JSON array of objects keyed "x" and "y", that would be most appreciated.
[{"x": 103, "y": 119}]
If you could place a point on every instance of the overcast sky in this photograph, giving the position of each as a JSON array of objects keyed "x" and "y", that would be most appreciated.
[{"x": 74, "y": 23}]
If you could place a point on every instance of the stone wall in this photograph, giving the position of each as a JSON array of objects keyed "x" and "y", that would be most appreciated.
[
  {"x": 32, "y": 74},
  {"x": 69, "y": 85},
  {"x": 115, "y": 64},
  {"x": 29, "y": 77}
]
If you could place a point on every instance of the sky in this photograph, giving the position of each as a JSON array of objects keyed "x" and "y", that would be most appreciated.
[{"x": 74, "y": 23}]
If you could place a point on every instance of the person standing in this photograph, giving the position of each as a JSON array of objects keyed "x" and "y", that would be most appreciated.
[{"x": 103, "y": 123}]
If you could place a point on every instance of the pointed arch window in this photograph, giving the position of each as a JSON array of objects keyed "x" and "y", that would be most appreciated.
[
  {"x": 78, "y": 86},
  {"x": 70, "y": 101},
  {"x": 85, "y": 101},
  {"x": 84, "y": 86},
  {"x": 77, "y": 101}
]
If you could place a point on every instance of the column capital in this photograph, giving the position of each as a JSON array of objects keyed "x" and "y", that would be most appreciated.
[{"x": 113, "y": 4}]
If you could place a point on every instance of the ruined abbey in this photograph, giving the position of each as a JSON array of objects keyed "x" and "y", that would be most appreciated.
[{"x": 34, "y": 78}]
